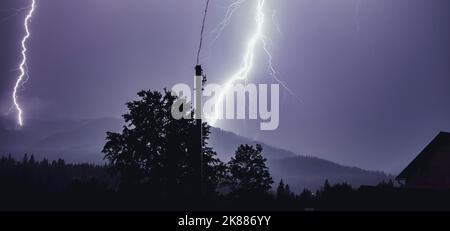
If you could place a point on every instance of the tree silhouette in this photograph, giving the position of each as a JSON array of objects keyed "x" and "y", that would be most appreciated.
[
  {"x": 287, "y": 190},
  {"x": 249, "y": 175},
  {"x": 281, "y": 193},
  {"x": 154, "y": 150},
  {"x": 284, "y": 195}
]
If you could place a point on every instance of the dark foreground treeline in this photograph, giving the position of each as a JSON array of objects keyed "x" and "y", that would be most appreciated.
[
  {"x": 43, "y": 185},
  {"x": 158, "y": 162}
]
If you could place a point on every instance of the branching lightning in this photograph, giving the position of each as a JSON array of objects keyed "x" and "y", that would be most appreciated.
[
  {"x": 23, "y": 77},
  {"x": 15, "y": 11},
  {"x": 217, "y": 32},
  {"x": 248, "y": 59},
  {"x": 274, "y": 13},
  {"x": 249, "y": 55},
  {"x": 272, "y": 70}
]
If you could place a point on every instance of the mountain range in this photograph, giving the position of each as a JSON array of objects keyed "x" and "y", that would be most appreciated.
[{"x": 82, "y": 141}]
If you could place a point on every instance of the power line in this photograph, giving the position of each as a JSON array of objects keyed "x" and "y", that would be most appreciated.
[{"x": 201, "y": 32}]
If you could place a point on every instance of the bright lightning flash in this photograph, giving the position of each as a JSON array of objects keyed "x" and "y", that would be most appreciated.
[
  {"x": 248, "y": 59},
  {"x": 248, "y": 62},
  {"x": 23, "y": 64}
]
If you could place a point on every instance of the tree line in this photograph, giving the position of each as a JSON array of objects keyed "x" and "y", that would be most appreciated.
[{"x": 151, "y": 165}]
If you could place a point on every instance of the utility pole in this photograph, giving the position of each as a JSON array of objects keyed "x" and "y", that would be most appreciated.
[
  {"x": 198, "y": 134},
  {"x": 199, "y": 80}
]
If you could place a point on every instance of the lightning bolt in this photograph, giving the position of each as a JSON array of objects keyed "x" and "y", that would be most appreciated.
[
  {"x": 243, "y": 72},
  {"x": 23, "y": 64},
  {"x": 248, "y": 59}
]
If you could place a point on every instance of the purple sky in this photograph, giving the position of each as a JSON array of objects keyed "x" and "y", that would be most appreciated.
[{"x": 373, "y": 77}]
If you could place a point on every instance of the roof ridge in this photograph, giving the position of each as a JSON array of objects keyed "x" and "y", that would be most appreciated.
[{"x": 423, "y": 156}]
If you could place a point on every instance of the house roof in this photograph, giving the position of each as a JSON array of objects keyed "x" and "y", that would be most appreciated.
[{"x": 442, "y": 139}]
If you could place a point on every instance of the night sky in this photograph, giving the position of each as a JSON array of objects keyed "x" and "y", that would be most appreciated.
[{"x": 373, "y": 76}]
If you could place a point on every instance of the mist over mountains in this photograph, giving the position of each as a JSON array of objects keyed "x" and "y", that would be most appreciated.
[{"x": 82, "y": 141}]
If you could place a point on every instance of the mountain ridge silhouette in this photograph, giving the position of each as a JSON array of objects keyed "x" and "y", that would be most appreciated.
[{"x": 82, "y": 141}]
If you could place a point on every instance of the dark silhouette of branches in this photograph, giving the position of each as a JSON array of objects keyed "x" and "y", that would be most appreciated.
[
  {"x": 154, "y": 150},
  {"x": 249, "y": 175}
]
